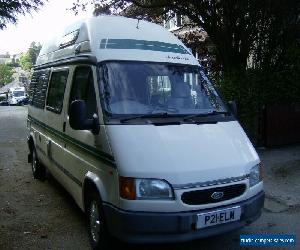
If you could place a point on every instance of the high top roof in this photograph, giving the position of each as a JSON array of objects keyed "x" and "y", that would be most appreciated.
[{"x": 116, "y": 38}]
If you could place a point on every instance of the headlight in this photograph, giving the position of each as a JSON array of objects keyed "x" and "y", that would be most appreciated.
[
  {"x": 145, "y": 189},
  {"x": 255, "y": 175}
]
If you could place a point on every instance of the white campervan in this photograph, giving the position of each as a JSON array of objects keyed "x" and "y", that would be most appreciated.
[
  {"x": 125, "y": 118},
  {"x": 16, "y": 95}
]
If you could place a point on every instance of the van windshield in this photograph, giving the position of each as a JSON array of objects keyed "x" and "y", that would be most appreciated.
[
  {"x": 138, "y": 88},
  {"x": 18, "y": 93}
]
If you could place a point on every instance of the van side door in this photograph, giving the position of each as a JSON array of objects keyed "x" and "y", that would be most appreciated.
[
  {"x": 36, "y": 112},
  {"x": 55, "y": 113}
]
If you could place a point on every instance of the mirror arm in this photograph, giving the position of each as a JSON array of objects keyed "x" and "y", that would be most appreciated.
[
  {"x": 88, "y": 124},
  {"x": 95, "y": 126},
  {"x": 233, "y": 107}
]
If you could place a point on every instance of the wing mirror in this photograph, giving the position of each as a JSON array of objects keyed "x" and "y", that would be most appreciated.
[
  {"x": 78, "y": 118},
  {"x": 233, "y": 107}
]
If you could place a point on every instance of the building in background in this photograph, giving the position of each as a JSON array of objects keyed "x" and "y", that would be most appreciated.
[{"x": 5, "y": 58}]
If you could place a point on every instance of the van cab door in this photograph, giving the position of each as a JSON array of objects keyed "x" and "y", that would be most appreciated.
[
  {"x": 86, "y": 151},
  {"x": 80, "y": 147}
]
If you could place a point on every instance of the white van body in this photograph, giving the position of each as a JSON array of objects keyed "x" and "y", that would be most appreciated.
[
  {"x": 177, "y": 173},
  {"x": 15, "y": 95}
]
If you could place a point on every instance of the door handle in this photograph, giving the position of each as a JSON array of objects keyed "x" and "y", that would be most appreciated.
[{"x": 49, "y": 149}]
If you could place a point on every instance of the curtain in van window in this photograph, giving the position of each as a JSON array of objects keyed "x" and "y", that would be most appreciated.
[
  {"x": 38, "y": 88},
  {"x": 56, "y": 90}
]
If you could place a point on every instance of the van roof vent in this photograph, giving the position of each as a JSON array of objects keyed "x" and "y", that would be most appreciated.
[{"x": 69, "y": 39}]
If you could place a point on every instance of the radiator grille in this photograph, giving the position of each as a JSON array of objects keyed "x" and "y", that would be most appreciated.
[{"x": 201, "y": 197}]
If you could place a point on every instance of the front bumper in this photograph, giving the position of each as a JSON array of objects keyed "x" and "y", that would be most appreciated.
[
  {"x": 13, "y": 102},
  {"x": 147, "y": 227}
]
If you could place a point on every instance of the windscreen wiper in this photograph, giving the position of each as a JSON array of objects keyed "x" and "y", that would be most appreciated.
[
  {"x": 163, "y": 108},
  {"x": 155, "y": 115},
  {"x": 214, "y": 112}
]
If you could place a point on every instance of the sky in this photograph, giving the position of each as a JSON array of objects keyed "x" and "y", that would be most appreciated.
[{"x": 38, "y": 26}]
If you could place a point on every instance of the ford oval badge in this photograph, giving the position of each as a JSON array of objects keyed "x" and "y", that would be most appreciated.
[{"x": 217, "y": 195}]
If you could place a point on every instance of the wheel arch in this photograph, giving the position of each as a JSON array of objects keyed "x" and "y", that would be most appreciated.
[
  {"x": 92, "y": 183},
  {"x": 31, "y": 143}
]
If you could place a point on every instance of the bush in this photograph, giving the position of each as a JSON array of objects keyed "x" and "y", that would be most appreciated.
[
  {"x": 6, "y": 73},
  {"x": 253, "y": 89}
]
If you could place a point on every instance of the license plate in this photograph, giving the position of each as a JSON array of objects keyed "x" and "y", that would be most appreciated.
[{"x": 218, "y": 217}]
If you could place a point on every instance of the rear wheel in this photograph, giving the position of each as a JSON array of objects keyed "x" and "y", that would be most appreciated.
[
  {"x": 38, "y": 170},
  {"x": 97, "y": 230}
]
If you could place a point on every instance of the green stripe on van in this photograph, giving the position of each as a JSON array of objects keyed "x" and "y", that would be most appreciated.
[
  {"x": 142, "y": 45},
  {"x": 102, "y": 156},
  {"x": 61, "y": 168}
]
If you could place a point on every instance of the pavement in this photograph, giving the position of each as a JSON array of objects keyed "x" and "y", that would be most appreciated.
[{"x": 281, "y": 177}]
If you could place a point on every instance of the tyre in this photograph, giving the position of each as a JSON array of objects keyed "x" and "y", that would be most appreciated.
[
  {"x": 97, "y": 229},
  {"x": 38, "y": 170}
]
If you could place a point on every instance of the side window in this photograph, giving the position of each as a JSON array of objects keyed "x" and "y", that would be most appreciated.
[
  {"x": 83, "y": 89},
  {"x": 38, "y": 88},
  {"x": 56, "y": 90}
]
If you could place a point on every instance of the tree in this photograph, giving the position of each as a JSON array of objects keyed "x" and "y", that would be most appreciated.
[
  {"x": 25, "y": 61},
  {"x": 11, "y": 8},
  {"x": 6, "y": 73},
  {"x": 34, "y": 51},
  {"x": 28, "y": 59}
]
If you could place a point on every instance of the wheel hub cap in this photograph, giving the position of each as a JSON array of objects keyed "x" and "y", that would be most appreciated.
[
  {"x": 94, "y": 221},
  {"x": 33, "y": 161}
]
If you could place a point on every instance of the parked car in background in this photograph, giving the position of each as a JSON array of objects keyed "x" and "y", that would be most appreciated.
[
  {"x": 3, "y": 99},
  {"x": 23, "y": 101},
  {"x": 16, "y": 95},
  {"x": 4, "y": 103}
]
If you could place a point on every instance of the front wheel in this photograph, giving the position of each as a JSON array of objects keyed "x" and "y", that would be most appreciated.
[
  {"x": 98, "y": 233},
  {"x": 38, "y": 170}
]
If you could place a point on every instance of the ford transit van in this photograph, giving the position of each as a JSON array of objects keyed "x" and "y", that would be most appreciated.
[{"x": 125, "y": 118}]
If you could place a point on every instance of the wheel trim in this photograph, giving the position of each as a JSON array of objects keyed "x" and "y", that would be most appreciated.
[
  {"x": 34, "y": 162},
  {"x": 94, "y": 221}
]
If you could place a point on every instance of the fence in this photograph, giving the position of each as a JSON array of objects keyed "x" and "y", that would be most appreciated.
[{"x": 281, "y": 124}]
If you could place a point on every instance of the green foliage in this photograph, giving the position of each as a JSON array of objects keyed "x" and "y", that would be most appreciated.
[
  {"x": 9, "y": 10},
  {"x": 28, "y": 59},
  {"x": 6, "y": 73},
  {"x": 25, "y": 61},
  {"x": 255, "y": 88},
  {"x": 244, "y": 89},
  {"x": 34, "y": 51}
]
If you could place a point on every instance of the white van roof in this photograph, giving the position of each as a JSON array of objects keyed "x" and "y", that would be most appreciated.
[
  {"x": 16, "y": 89},
  {"x": 116, "y": 38}
]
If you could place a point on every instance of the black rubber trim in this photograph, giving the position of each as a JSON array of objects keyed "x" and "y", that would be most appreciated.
[{"x": 82, "y": 59}]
